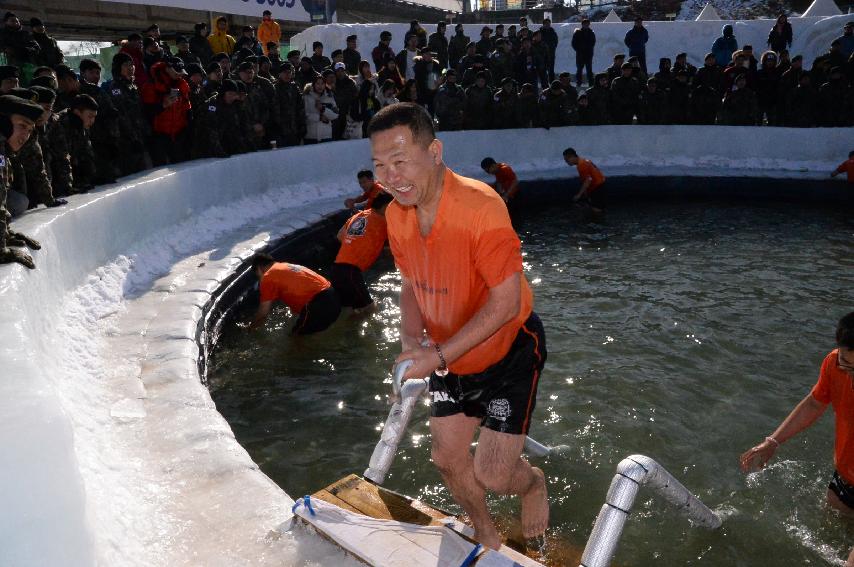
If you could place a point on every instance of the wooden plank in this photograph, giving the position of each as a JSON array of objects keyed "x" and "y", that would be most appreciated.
[
  {"x": 377, "y": 502},
  {"x": 332, "y": 499}
]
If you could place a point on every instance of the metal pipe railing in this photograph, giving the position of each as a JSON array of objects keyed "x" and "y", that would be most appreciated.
[
  {"x": 632, "y": 473},
  {"x": 404, "y": 396}
]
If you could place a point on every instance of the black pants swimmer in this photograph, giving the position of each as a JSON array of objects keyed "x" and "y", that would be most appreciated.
[{"x": 319, "y": 313}]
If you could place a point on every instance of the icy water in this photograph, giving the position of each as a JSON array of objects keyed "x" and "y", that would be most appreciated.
[{"x": 682, "y": 332}]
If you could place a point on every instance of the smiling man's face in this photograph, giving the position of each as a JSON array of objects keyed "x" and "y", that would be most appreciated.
[{"x": 406, "y": 166}]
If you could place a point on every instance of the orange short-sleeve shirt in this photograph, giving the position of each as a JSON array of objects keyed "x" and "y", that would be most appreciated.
[
  {"x": 364, "y": 238},
  {"x": 372, "y": 194},
  {"x": 291, "y": 284},
  {"x": 505, "y": 176},
  {"x": 834, "y": 387},
  {"x": 847, "y": 167},
  {"x": 471, "y": 247},
  {"x": 586, "y": 170}
]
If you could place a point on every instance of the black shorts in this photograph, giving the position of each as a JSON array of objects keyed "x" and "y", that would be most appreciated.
[
  {"x": 319, "y": 313},
  {"x": 842, "y": 489},
  {"x": 350, "y": 284},
  {"x": 505, "y": 394},
  {"x": 594, "y": 199}
]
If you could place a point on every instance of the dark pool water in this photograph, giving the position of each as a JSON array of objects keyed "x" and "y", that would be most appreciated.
[{"x": 683, "y": 332}]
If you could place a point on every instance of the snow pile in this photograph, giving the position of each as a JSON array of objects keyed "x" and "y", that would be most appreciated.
[
  {"x": 612, "y": 18},
  {"x": 113, "y": 452},
  {"x": 812, "y": 37}
]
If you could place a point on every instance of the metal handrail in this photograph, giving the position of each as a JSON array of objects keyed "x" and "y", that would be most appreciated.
[
  {"x": 404, "y": 396},
  {"x": 632, "y": 473}
]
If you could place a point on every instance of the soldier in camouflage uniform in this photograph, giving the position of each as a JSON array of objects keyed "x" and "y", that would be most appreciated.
[
  {"x": 289, "y": 108},
  {"x": 504, "y": 103},
  {"x": 17, "y": 120},
  {"x": 69, "y": 87},
  {"x": 214, "y": 79},
  {"x": 131, "y": 125},
  {"x": 33, "y": 180},
  {"x": 450, "y": 103},
  {"x": 74, "y": 141},
  {"x": 222, "y": 131},
  {"x": 104, "y": 134},
  {"x": 259, "y": 102}
]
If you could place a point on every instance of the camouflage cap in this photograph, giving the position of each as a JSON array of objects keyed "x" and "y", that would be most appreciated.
[{"x": 26, "y": 107}]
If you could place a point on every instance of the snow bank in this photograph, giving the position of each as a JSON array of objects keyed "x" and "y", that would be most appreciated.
[
  {"x": 812, "y": 37},
  {"x": 113, "y": 452}
]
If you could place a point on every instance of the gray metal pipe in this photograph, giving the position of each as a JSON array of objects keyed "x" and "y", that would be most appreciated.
[
  {"x": 404, "y": 396},
  {"x": 632, "y": 473}
]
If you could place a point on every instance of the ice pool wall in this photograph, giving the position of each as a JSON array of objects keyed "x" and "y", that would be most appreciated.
[
  {"x": 812, "y": 37},
  {"x": 112, "y": 451}
]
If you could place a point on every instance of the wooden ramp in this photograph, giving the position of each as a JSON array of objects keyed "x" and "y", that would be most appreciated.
[{"x": 381, "y": 527}]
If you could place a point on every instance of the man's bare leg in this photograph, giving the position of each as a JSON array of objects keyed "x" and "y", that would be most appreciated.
[
  {"x": 452, "y": 437},
  {"x": 499, "y": 466}
]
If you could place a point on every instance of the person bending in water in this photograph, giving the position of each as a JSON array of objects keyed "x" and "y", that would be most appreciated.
[
  {"x": 466, "y": 319},
  {"x": 362, "y": 240},
  {"x": 370, "y": 190},
  {"x": 591, "y": 180},
  {"x": 305, "y": 292},
  {"x": 835, "y": 387},
  {"x": 846, "y": 167},
  {"x": 506, "y": 182}
]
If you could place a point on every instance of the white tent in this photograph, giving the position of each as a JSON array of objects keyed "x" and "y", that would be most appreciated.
[
  {"x": 612, "y": 17},
  {"x": 708, "y": 13},
  {"x": 821, "y": 9}
]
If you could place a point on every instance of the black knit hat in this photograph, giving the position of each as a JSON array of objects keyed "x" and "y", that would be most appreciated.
[
  {"x": 11, "y": 104},
  {"x": 8, "y": 72},
  {"x": 228, "y": 86},
  {"x": 35, "y": 23}
]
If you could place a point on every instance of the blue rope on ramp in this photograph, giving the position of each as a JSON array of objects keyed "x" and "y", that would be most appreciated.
[
  {"x": 306, "y": 501},
  {"x": 468, "y": 561}
]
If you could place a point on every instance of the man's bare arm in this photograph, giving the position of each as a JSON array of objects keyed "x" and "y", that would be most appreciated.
[{"x": 261, "y": 315}]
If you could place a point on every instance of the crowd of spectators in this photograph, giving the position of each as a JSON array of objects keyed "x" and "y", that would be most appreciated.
[{"x": 217, "y": 94}]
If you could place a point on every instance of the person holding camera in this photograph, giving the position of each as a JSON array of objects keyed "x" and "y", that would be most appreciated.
[{"x": 320, "y": 111}]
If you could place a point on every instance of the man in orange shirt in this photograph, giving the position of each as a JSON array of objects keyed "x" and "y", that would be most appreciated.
[
  {"x": 834, "y": 387},
  {"x": 466, "y": 319},
  {"x": 362, "y": 240},
  {"x": 591, "y": 179},
  {"x": 370, "y": 190},
  {"x": 846, "y": 167},
  {"x": 304, "y": 291},
  {"x": 506, "y": 182}
]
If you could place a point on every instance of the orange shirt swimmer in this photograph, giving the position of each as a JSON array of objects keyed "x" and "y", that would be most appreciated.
[
  {"x": 846, "y": 167},
  {"x": 466, "y": 319},
  {"x": 506, "y": 182},
  {"x": 833, "y": 389},
  {"x": 370, "y": 190}
]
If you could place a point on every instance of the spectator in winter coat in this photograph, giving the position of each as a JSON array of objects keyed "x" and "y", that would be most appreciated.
[
  {"x": 847, "y": 40},
  {"x": 427, "y": 74},
  {"x": 504, "y": 103},
  {"x": 383, "y": 51},
  {"x": 663, "y": 78},
  {"x": 541, "y": 56},
  {"x": 625, "y": 91},
  {"x": 801, "y": 104},
  {"x": 789, "y": 81},
  {"x": 8, "y": 78},
  {"x": 409, "y": 92},
  {"x": 151, "y": 53},
  {"x": 679, "y": 99},
  {"x": 166, "y": 101},
  {"x": 133, "y": 47},
  {"x": 636, "y": 40},
  {"x": 599, "y": 100},
  {"x": 318, "y": 60},
  {"x": 390, "y": 72},
  {"x": 387, "y": 94},
  {"x": 780, "y": 36},
  {"x": 351, "y": 56},
  {"x": 16, "y": 42},
  {"x": 768, "y": 89},
  {"x": 416, "y": 30},
  {"x": 705, "y": 104},
  {"x": 615, "y": 70},
  {"x": 320, "y": 112},
  {"x": 502, "y": 61},
  {"x": 289, "y": 109},
  {"x": 681, "y": 64},
  {"x": 740, "y": 65},
  {"x": 247, "y": 40},
  {"x": 468, "y": 59},
  {"x": 184, "y": 53},
  {"x": 527, "y": 64},
  {"x": 219, "y": 40},
  {"x": 405, "y": 59},
  {"x": 49, "y": 53},
  {"x": 75, "y": 124},
  {"x": 478, "y": 104},
  {"x": 585, "y": 115},
  {"x": 526, "y": 107},
  {"x": 835, "y": 101},
  {"x": 485, "y": 45},
  {"x": 438, "y": 44},
  {"x": 479, "y": 66},
  {"x": 555, "y": 108},
  {"x": 199, "y": 43},
  {"x": 725, "y": 46},
  {"x": 457, "y": 46},
  {"x": 550, "y": 39},
  {"x": 269, "y": 31},
  {"x": 367, "y": 104},
  {"x": 710, "y": 75},
  {"x": 583, "y": 42},
  {"x": 132, "y": 127},
  {"x": 653, "y": 108},
  {"x": 104, "y": 133},
  {"x": 346, "y": 96},
  {"x": 450, "y": 103},
  {"x": 739, "y": 106}
]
